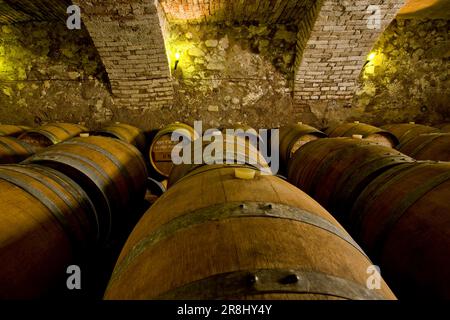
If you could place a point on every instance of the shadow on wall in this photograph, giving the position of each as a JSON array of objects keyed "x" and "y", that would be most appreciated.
[
  {"x": 410, "y": 80},
  {"x": 48, "y": 73}
]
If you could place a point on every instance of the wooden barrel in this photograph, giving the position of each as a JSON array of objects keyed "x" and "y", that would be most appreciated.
[
  {"x": 162, "y": 145},
  {"x": 13, "y": 150},
  {"x": 53, "y": 133},
  {"x": 156, "y": 187},
  {"x": 236, "y": 150},
  {"x": 252, "y": 135},
  {"x": 367, "y": 132},
  {"x": 12, "y": 130},
  {"x": 293, "y": 137},
  {"x": 402, "y": 218},
  {"x": 215, "y": 236},
  {"x": 406, "y": 131},
  {"x": 125, "y": 132},
  {"x": 334, "y": 171},
  {"x": 46, "y": 220},
  {"x": 445, "y": 127},
  {"x": 112, "y": 172},
  {"x": 430, "y": 146}
]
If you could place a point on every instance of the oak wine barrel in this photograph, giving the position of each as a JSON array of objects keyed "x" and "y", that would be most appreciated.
[
  {"x": 13, "y": 150},
  {"x": 444, "y": 127},
  {"x": 430, "y": 146},
  {"x": 162, "y": 145},
  {"x": 334, "y": 171},
  {"x": 293, "y": 137},
  {"x": 12, "y": 130},
  {"x": 406, "y": 131},
  {"x": 126, "y": 133},
  {"x": 112, "y": 172},
  {"x": 235, "y": 149},
  {"x": 252, "y": 135},
  {"x": 53, "y": 133},
  {"x": 367, "y": 132},
  {"x": 216, "y": 236},
  {"x": 402, "y": 219},
  {"x": 156, "y": 187},
  {"x": 46, "y": 221}
]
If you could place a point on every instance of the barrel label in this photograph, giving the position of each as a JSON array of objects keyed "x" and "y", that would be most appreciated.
[{"x": 162, "y": 150}]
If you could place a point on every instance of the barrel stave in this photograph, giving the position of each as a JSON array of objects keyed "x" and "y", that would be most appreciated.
[
  {"x": 46, "y": 222},
  {"x": 402, "y": 220}
]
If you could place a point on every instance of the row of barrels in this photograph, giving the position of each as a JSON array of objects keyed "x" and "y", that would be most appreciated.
[
  {"x": 60, "y": 205},
  {"x": 394, "y": 206},
  {"x": 19, "y": 142},
  {"x": 419, "y": 141},
  {"x": 230, "y": 232}
]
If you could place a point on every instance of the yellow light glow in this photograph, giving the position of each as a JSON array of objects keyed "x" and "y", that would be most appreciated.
[
  {"x": 412, "y": 6},
  {"x": 374, "y": 59},
  {"x": 177, "y": 56},
  {"x": 370, "y": 70}
]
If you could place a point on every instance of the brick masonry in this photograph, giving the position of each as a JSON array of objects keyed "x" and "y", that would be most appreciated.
[
  {"x": 333, "y": 43},
  {"x": 129, "y": 36},
  {"x": 266, "y": 11}
]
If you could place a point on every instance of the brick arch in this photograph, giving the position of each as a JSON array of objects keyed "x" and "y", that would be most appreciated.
[
  {"x": 129, "y": 36},
  {"x": 210, "y": 11},
  {"x": 333, "y": 43}
]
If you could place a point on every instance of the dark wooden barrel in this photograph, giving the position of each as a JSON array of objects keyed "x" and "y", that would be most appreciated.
[
  {"x": 12, "y": 130},
  {"x": 53, "y": 133},
  {"x": 215, "y": 236},
  {"x": 334, "y": 171},
  {"x": 112, "y": 172},
  {"x": 46, "y": 221},
  {"x": 162, "y": 145},
  {"x": 293, "y": 137},
  {"x": 13, "y": 150},
  {"x": 156, "y": 187},
  {"x": 403, "y": 220},
  {"x": 430, "y": 146},
  {"x": 125, "y": 132},
  {"x": 444, "y": 127},
  {"x": 406, "y": 131},
  {"x": 236, "y": 150},
  {"x": 367, "y": 132}
]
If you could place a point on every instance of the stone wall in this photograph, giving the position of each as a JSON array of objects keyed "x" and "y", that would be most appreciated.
[
  {"x": 230, "y": 73},
  {"x": 48, "y": 73},
  {"x": 411, "y": 76}
]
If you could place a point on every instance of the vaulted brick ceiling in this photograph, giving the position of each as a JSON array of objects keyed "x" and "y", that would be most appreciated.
[
  {"x": 13, "y": 11},
  {"x": 268, "y": 11}
]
